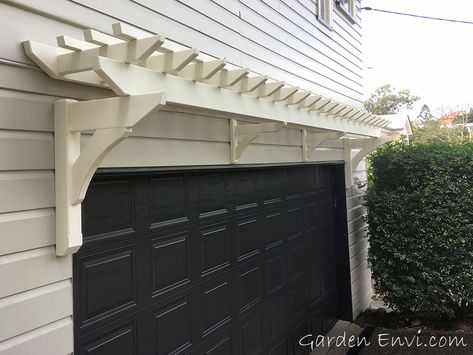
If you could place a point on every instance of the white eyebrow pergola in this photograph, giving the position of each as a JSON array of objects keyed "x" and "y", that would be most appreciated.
[{"x": 146, "y": 75}]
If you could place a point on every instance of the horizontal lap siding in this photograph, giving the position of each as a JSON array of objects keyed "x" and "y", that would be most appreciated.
[
  {"x": 285, "y": 43},
  {"x": 282, "y": 39},
  {"x": 36, "y": 289},
  {"x": 358, "y": 249}
]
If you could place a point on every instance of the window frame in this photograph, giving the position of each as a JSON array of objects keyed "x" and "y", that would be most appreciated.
[
  {"x": 347, "y": 8},
  {"x": 325, "y": 13}
]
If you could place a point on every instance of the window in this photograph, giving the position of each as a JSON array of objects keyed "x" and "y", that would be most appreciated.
[
  {"x": 347, "y": 7},
  {"x": 324, "y": 12}
]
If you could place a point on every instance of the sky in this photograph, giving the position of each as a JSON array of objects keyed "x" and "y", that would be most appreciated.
[{"x": 431, "y": 58}]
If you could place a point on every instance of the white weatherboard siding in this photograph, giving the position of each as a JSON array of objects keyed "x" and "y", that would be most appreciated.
[
  {"x": 280, "y": 38},
  {"x": 361, "y": 288}
]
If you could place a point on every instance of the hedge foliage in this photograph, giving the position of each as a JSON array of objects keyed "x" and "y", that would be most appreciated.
[{"x": 420, "y": 214}]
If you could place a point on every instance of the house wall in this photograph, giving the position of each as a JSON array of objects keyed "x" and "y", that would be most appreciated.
[
  {"x": 36, "y": 288},
  {"x": 361, "y": 287}
]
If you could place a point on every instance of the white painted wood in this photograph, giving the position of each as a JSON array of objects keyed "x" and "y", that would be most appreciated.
[
  {"x": 136, "y": 152},
  {"x": 133, "y": 80},
  {"x": 203, "y": 70},
  {"x": 226, "y": 77},
  {"x": 358, "y": 250},
  {"x": 359, "y": 271},
  {"x": 128, "y": 32},
  {"x": 154, "y": 21},
  {"x": 34, "y": 81},
  {"x": 360, "y": 244},
  {"x": 26, "y": 150},
  {"x": 249, "y": 132},
  {"x": 353, "y": 201},
  {"x": 249, "y": 84},
  {"x": 37, "y": 267},
  {"x": 40, "y": 340},
  {"x": 74, "y": 44},
  {"x": 326, "y": 154},
  {"x": 101, "y": 39},
  {"x": 355, "y": 212},
  {"x": 262, "y": 153},
  {"x": 172, "y": 62},
  {"x": 177, "y": 125},
  {"x": 311, "y": 140},
  {"x": 359, "y": 259},
  {"x": 111, "y": 120},
  {"x": 28, "y": 310},
  {"x": 26, "y": 190},
  {"x": 25, "y": 230}
]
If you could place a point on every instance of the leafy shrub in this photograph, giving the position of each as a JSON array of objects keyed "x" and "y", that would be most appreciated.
[{"x": 420, "y": 214}]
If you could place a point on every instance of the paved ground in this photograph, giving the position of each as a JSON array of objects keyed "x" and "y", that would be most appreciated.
[{"x": 425, "y": 342}]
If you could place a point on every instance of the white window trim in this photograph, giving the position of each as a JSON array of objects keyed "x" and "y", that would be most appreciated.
[
  {"x": 349, "y": 13},
  {"x": 324, "y": 12}
]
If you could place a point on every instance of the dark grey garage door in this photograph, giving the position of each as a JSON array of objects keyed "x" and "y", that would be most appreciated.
[{"x": 230, "y": 261}]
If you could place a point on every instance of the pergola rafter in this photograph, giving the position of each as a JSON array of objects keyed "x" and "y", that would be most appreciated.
[{"x": 147, "y": 72}]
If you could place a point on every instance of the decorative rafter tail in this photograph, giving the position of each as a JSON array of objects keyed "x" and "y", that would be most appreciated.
[{"x": 202, "y": 70}]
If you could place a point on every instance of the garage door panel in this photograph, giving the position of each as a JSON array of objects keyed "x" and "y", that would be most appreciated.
[
  {"x": 274, "y": 186},
  {"x": 217, "y": 300},
  {"x": 294, "y": 222},
  {"x": 170, "y": 201},
  {"x": 213, "y": 195},
  {"x": 273, "y": 228},
  {"x": 325, "y": 178},
  {"x": 310, "y": 179},
  {"x": 173, "y": 326},
  {"x": 297, "y": 263},
  {"x": 294, "y": 182},
  {"x": 245, "y": 190},
  {"x": 249, "y": 286},
  {"x": 275, "y": 272},
  {"x": 279, "y": 349},
  {"x": 121, "y": 341},
  {"x": 276, "y": 316},
  {"x": 101, "y": 220},
  {"x": 230, "y": 261},
  {"x": 247, "y": 237},
  {"x": 298, "y": 300},
  {"x": 215, "y": 248},
  {"x": 300, "y": 330},
  {"x": 315, "y": 283},
  {"x": 223, "y": 346},
  {"x": 108, "y": 284},
  {"x": 311, "y": 215},
  {"x": 252, "y": 336},
  {"x": 170, "y": 262}
]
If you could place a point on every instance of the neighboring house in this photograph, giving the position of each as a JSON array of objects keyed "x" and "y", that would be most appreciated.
[
  {"x": 222, "y": 218},
  {"x": 449, "y": 119}
]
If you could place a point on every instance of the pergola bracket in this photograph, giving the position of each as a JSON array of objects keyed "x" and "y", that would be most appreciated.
[
  {"x": 310, "y": 141},
  {"x": 249, "y": 133},
  {"x": 111, "y": 121},
  {"x": 365, "y": 146}
]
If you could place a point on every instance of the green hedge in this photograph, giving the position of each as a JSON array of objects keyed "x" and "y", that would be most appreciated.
[{"x": 420, "y": 214}]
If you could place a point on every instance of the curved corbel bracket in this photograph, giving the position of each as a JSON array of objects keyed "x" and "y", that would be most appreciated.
[
  {"x": 369, "y": 145},
  {"x": 110, "y": 120},
  {"x": 366, "y": 146},
  {"x": 249, "y": 133},
  {"x": 96, "y": 149}
]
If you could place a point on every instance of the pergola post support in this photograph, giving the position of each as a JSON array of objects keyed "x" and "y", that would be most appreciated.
[{"x": 111, "y": 121}]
